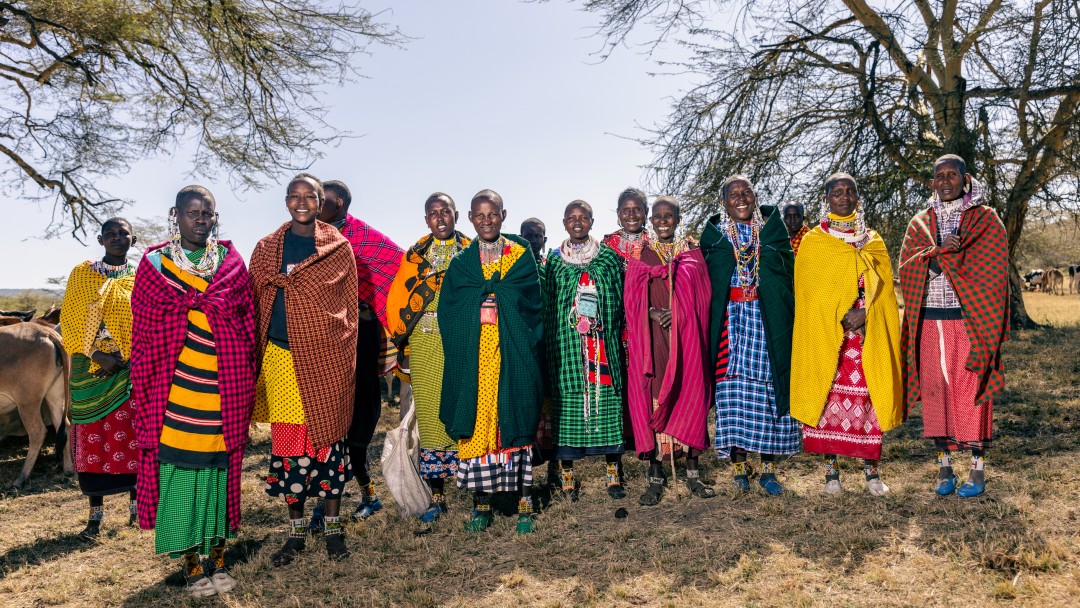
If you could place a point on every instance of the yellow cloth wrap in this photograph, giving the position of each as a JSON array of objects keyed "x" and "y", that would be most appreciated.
[
  {"x": 485, "y": 438},
  {"x": 277, "y": 395},
  {"x": 89, "y": 300},
  {"x": 827, "y": 274}
]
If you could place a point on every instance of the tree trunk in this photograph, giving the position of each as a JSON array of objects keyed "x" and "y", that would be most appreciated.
[{"x": 1018, "y": 317}]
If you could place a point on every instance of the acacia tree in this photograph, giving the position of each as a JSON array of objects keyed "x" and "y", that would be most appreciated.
[
  {"x": 798, "y": 90},
  {"x": 94, "y": 85}
]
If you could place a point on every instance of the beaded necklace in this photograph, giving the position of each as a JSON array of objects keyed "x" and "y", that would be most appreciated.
[
  {"x": 579, "y": 254},
  {"x": 746, "y": 255},
  {"x": 667, "y": 251},
  {"x": 491, "y": 252},
  {"x": 441, "y": 252}
]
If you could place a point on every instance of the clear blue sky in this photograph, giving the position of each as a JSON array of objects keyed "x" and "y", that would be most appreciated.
[{"x": 488, "y": 94}]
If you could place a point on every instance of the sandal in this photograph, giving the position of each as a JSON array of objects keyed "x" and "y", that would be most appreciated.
[
  {"x": 479, "y": 522},
  {"x": 771, "y": 485},
  {"x": 286, "y": 554},
  {"x": 651, "y": 497},
  {"x": 200, "y": 586},
  {"x": 699, "y": 489},
  {"x": 616, "y": 491},
  {"x": 335, "y": 546},
  {"x": 223, "y": 581},
  {"x": 525, "y": 524}
]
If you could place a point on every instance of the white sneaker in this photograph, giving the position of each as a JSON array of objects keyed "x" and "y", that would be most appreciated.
[
  {"x": 876, "y": 487},
  {"x": 833, "y": 487}
]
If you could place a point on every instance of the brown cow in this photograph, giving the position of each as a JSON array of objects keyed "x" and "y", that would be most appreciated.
[
  {"x": 23, "y": 315},
  {"x": 34, "y": 372},
  {"x": 1053, "y": 282}
]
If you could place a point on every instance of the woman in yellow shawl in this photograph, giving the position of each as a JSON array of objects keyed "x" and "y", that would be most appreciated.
[
  {"x": 845, "y": 368},
  {"x": 96, "y": 322}
]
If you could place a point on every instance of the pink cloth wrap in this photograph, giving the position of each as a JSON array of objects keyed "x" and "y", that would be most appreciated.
[
  {"x": 685, "y": 393},
  {"x": 159, "y": 327}
]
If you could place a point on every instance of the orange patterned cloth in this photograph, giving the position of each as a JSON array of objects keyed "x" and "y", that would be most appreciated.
[
  {"x": 797, "y": 239},
  {"x": 321, "y": 313}
]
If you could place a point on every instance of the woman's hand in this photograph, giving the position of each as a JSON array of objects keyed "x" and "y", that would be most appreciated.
[
  {"x": 854, "y": 319},
  {"x": 951, "y": 243},
  {"x": 661, "y": 316},
  {"x": 110, "y": 363}
]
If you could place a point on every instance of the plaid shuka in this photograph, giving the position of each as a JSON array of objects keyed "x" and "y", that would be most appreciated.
[
  {"x": 377, "y": 261},
  {"x": 566, "y": 365},
  {"x": 978, "y": 273},
  {"x": 321, "y": 313},
  {"x": 159, "y": 327},
  {"x": 499, "y": 472}
]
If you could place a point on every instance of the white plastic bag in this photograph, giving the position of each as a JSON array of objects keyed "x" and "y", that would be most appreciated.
[{"x": 401, "y": 461}]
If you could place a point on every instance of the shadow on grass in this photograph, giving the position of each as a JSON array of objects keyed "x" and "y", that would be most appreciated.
[{"x": 41, "y": 551}]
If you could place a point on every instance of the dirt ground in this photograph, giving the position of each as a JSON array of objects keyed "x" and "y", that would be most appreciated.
[{"x": 1018, "y": 545}]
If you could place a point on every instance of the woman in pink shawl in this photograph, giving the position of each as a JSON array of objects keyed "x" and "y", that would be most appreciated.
[{"x": 667, "y": 296}]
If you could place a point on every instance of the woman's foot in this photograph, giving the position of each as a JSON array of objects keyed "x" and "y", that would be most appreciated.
[
  {"x": 699, "y": 489},
  {"x": 652, "y": 495},
  {"x": 91, "y": 531},
  {"x": 876, "y": 487},
  {"x": 223, "y": 581},
  {"x": 616, "y": 491},
  {"x": 833, "y": 487},
  {"x": 771, "y": 485},
  {"x": 367, "y": 508},
  {"x": 433, "y": 513},
  {"x": 200, "y": 586},
  {"x": 479, "y": 522},
  {"x": 947, "y": 486},
  {"x": 287, "y": 553},
  {"x": 335, "y": 546},
  {"x": 525, "y": 524},
  {"x": 971, "y": 489}
]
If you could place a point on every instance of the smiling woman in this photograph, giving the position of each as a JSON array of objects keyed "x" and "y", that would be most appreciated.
[{"x": 306, "y": 309}]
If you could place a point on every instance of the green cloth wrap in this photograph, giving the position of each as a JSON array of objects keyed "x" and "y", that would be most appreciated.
[
  {"x": 776, "y": 294},
  {"x": 521, "y": 385},
  {"x": 191, "y": 514},
  {"x": 93, "y": 398}
]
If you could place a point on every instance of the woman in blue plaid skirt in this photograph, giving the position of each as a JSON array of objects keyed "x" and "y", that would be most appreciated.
[{"x": 751, "y": 267}]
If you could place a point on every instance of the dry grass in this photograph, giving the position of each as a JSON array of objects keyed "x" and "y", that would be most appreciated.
[
  {"x": 1053, "y": 310},
  {"x": 1017, "y": 545}
]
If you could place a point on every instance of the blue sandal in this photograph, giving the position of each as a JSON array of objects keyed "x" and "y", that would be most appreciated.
[
  {"x": 946, "y": 487},
  {"x": 970, "y": 489},
  {"x": 433, "y": 513},
  {"x": 771, "y": 485}
]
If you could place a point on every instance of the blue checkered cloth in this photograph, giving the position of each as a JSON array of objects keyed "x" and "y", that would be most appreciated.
[
  {"x": 485, "y": 474},
  {"x": 745, "y": 399}
]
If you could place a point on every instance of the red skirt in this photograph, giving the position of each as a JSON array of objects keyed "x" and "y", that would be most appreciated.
[
  {"x": 106, "y": 453},
  {"x": 848, "y": 425},
  {"x": 949, "y": 388}
]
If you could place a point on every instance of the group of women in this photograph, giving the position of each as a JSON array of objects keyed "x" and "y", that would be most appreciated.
[{"x": 517, "y": 357}]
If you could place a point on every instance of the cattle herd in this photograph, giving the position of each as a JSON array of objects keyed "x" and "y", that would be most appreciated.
[{"x": 1054, "y": 280}]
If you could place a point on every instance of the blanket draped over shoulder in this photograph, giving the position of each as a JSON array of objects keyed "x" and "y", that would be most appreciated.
[
  {"x": 377, "y": 259},
  {"x": 827, "y": 272},
  {"x": 686, "y": 393},
  {"x": 413, "y": 289},
  {"x": 321, "y": 317},
  {"x": 776, "y": 272},
  {"x": 521, "y": 385},
  {"x": 979, "y": 274},
  {"x": 91, "y": 299},
  {"x": 160, "y": 322}
]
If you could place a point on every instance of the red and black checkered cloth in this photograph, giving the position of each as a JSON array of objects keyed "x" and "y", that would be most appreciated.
[
  {"x": 159, "y": 326},
  {"x": 979, "y": 273},
  {"x": 321, "y": 314},
  {"x": 377, "y": 261}
]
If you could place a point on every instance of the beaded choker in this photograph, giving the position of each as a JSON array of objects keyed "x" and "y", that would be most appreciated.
[
  {"x": 579, "y": 254},
  {"x": 667, "y": 251}
]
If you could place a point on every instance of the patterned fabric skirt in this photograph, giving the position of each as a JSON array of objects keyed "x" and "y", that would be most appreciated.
[
  {"x": 746, "y": 418},
  {"x": 191, "y": 514},
  {"x": 297, "y": 478},
  {"x": 848, "y": 425},
  {"x": 106, "y": 453},
  {"x": 949, "y": 389},
  {"x": 438, "y": 464},
  {"x": 426, "y": 369},
  {"x": 499, "y": 472},
  {"x": 593, "y": 429}
]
